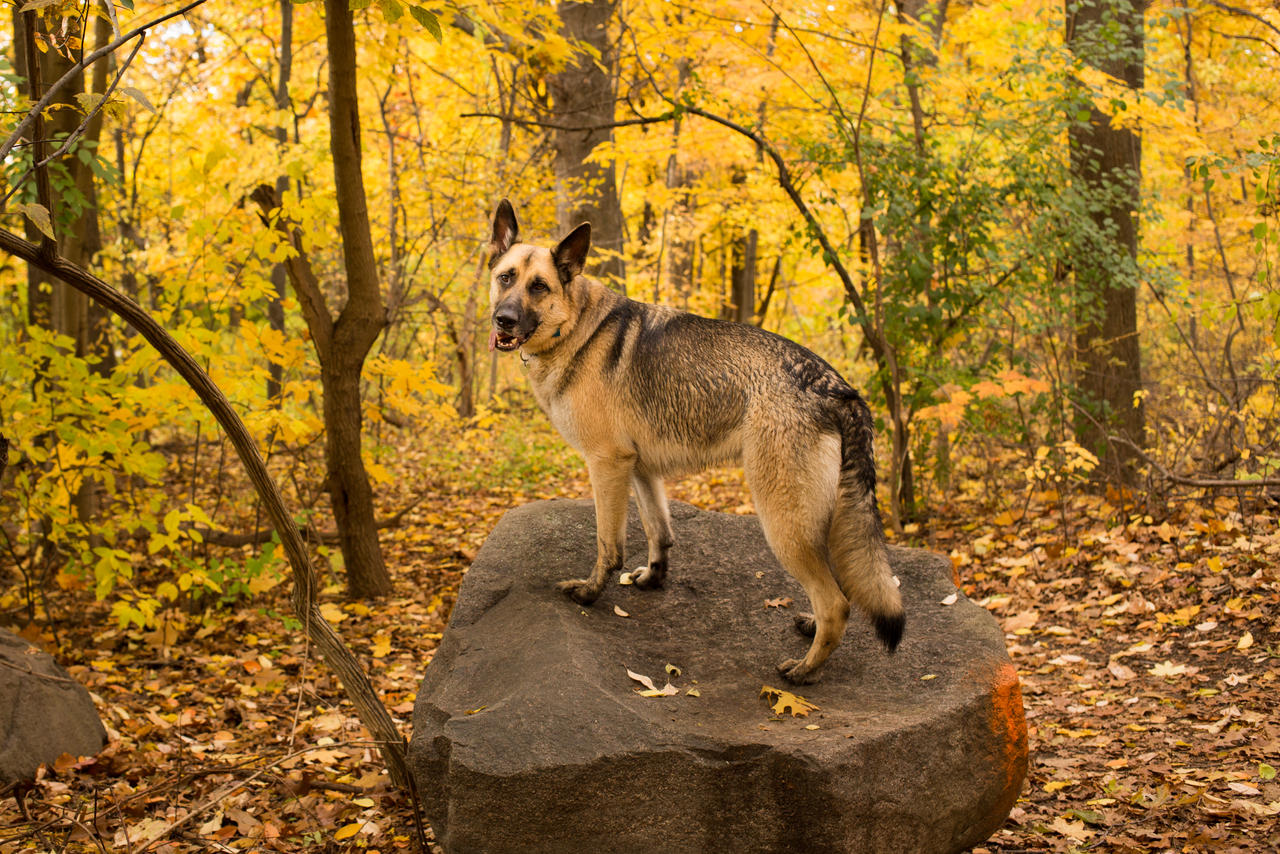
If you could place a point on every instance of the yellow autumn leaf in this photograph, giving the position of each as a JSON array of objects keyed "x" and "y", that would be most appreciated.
[
  {"x": 381, "y": 646},
  {"x": 347, "y": 832},
  {"x": 784, "y": 701},
  {"x": 332, "y": 612}
]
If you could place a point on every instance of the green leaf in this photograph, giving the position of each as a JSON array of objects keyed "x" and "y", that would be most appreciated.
[
  {"x": 1260, "y": 230},
  {"x": 1087, "y": 816},
  {"x": 391, "y": 10},
  {"x": 1266, "y": 772},
  {"x": 39, "y": 216},
  {"x": 428, "y": 20}
]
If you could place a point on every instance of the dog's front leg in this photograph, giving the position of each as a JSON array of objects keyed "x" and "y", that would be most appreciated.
[
  {"x": 610, "y": 478},
  {"x": 651, "y": 496}
]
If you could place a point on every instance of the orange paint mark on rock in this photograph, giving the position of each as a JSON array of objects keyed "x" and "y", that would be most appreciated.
[{"x": 1009, "y": 726}]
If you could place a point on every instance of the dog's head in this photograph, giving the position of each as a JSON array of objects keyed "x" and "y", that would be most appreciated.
[{"x": 531, "y": 299}]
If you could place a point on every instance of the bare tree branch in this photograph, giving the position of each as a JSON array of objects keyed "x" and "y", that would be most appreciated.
[
  {"x": 1243, "y": 13},
  {"x": 624, "y": 123},
  {"x": 1194, "y": 480}
]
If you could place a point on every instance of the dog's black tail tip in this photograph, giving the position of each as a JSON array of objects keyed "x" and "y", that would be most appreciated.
[{"x": 889, "y": 628}]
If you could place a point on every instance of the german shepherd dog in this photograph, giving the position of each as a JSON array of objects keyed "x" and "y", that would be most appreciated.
[{"x": 643, "y": 391}]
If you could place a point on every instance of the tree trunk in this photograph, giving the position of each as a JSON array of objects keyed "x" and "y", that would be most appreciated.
[
  {"x": 1106, "y": 162},
  {"x": 64, "y": 309},
  {"x": 742, "y": 277},
  {"x": 358, "y": 325},
  {"x": 39, "y": 283},
  {"x": 279, "y": 275},
  {"x": 582, "y": 102}
]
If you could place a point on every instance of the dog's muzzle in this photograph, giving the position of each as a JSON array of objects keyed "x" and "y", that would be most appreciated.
[{"x": 504, "y": 335}]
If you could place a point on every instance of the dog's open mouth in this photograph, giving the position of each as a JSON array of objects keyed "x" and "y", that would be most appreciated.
[{"x": 504, "y": 341}]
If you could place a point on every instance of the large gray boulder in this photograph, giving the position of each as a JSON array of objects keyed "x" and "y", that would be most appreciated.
[
  {"x": 529, "y": 735},
  {"x": 44, "y": 713}
]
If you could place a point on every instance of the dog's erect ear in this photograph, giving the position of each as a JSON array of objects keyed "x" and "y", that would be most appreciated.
[
  {"x": 505, "y": 231},
  {"x": 571, "y": 253}
]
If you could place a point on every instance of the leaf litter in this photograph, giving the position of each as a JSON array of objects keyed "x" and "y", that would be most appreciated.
[{"x": 1148, "y": 653}]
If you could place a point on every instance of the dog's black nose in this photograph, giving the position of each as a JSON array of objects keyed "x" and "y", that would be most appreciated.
[{"x": 506, "y": 318}]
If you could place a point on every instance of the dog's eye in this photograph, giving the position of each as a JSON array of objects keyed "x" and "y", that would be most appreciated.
[
  {"x": 537, "y": 286},
  {"x": 505, "y": 278}
]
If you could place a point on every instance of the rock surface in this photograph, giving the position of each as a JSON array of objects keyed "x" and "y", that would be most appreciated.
[
  {"x": 44, "y": 713},
  {"x": 529, "y": 734}
]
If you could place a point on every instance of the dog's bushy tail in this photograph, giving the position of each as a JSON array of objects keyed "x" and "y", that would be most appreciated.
[{"x": 856, "y": 540}]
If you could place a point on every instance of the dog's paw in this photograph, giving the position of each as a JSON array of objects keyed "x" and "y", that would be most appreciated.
[
  {"x": 806, "y": 625},
  {"x": 649, "y": 577},
  {"x": 579, "y": 590},
  {"x": 794, "y": 671}
]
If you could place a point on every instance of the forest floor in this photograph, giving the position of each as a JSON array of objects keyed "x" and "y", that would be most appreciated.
[{"x": 1148, "y": 648}]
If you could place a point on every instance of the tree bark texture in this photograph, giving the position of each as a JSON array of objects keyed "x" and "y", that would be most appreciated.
[
  {"x": 742, "y": 277},
  {"x": 582, "y": 103},
  {"x": 1107, "y": 162},
  {"x": 358, "y": 326},
  {"x": 279, "y": 274}
]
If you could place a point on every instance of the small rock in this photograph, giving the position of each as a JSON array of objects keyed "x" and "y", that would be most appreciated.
[{"x": 44, "y": 713}]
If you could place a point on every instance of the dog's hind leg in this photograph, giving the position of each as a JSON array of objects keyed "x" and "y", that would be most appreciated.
[
  {"x": 610, "y": 479},
  {"x": 794, "y": 486},
  {"x": 651, "y": 496}
]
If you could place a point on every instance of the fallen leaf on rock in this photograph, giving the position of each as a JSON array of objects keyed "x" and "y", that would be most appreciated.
[
  {"x": 950, "y": 600},
  {"x": 650, "y": 689},
  {"x": 642, "y": 679},
  {"x": 780, "y": 602},
  {"x": 783, "y": 701},
  {"x": 620, "y": 612}
]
